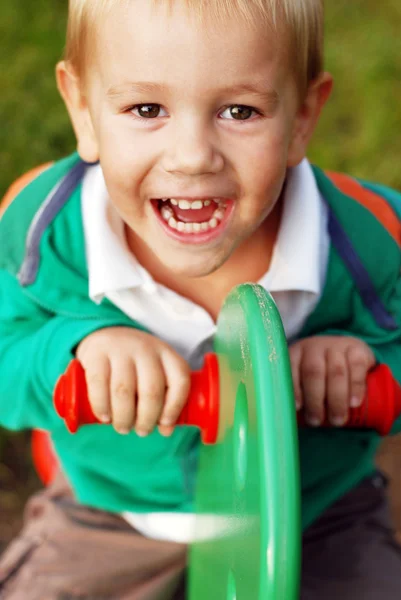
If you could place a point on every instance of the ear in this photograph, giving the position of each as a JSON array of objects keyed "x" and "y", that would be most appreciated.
[
  {"x": 307, "y": 117},
  {"x": 71, "y": 90}
]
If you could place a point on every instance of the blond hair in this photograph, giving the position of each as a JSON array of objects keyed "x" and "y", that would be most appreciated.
[{"x": 300, "y": 20}]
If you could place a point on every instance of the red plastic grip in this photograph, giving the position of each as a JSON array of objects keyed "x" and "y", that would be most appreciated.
[
  {"x": 201, "y": 410},
  {"x": 202, "y": 407},
  {"x": 71, "y": 398},
  {"x": 380, "y": 407},
  {"x": 44, "y": 459}
]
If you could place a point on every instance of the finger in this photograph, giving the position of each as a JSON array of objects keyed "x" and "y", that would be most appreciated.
[
  {"x": 123, "y": 395},
  {"x": 178, "y": 379},
  {"x": 295, "y": 352},
  {"x": 97, "y": 374},
  {"x": 360, "y": 359},
  {"x": 151, "y": 391},
  {"x": 337, "y": 387},
  {"x": 313, "y": 382}
]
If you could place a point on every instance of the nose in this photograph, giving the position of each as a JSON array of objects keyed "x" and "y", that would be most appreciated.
[{"x": 192, "y": 150}]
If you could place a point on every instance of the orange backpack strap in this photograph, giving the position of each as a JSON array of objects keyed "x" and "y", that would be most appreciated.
[
  {"x": 373, "y": 202},
  {"x": 19, "y": 185}
]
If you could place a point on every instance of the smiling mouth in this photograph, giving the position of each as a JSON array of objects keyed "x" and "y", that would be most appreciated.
[{"x": 192, "y": 216}]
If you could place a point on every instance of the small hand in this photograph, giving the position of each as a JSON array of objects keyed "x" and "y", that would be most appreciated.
[
  {"x": 134, "y": 380},
  {"x": 329, "y": 374}
]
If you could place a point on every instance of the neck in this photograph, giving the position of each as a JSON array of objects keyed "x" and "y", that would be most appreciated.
[{"x": 248, "y": 263}]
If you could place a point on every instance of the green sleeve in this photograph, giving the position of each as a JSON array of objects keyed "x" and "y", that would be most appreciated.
[{"x": 35, "y": 348}]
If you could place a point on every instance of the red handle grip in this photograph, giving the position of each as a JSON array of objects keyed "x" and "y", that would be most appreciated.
[
  {"x": 380, "y": 407},
  {"x": 202, "y": 408}
]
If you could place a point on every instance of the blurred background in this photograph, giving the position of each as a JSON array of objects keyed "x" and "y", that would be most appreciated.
[{"x": 360, "y": 133}]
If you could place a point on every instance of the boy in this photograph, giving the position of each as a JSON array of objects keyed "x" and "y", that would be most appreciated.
[{"x": 199, "y": 113}]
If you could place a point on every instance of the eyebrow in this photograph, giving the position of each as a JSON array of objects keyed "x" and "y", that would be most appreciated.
[
  {"x": 144, "y": 87},
  {"x": 262, "y": 91},
  {"x": 265, "y": 93}
]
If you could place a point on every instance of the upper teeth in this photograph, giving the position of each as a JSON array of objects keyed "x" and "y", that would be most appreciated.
[{"x": 190, "y": 204}]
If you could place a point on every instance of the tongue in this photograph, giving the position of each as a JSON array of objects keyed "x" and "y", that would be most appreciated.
[{"x": 200, "y": 215}]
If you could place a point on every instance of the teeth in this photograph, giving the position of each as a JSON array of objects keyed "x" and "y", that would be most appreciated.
[
  {"x": 168, "y": 216},
  {"x": 218, "y": 214},
  {"x": 192, "y": 227},
  {"x": 166, "y": 213},
  {"x": 190, "y": 204},
  {"x": 184, "y": 204}
]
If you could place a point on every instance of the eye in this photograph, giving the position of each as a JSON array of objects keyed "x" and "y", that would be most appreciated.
[
  {"x": 238, "y": 112},
  {"x": 148, "y": 111}
]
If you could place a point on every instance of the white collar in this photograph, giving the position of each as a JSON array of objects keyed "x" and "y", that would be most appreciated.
[
  {"x": 111, "y": 265},
  {"x": 295, "y": 261}
]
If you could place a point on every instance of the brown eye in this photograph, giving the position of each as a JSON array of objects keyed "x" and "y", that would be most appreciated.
[
  {"x": 147, "y": 111},
  {"x": 240, "y": 112}
]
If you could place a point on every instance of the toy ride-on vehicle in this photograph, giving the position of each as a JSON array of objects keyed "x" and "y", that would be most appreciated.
[{"x": 248, "y": 488}]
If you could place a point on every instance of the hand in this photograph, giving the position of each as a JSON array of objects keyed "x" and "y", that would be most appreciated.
[
  {"x": 134, "y": 380},
  {"x": 329, "y": 373}
]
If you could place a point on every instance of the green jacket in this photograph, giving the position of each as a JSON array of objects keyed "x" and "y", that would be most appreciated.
[{"x": 45, "y": 311}]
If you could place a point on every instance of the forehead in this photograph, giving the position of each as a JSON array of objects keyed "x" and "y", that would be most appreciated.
[{"x": 147, "y": 40}]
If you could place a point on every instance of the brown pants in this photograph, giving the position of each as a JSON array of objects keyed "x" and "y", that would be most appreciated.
[
  {"x": 350, "y": 553},
  {"x": 67, "y": 551}
]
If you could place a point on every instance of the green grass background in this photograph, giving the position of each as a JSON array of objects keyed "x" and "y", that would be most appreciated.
[{"x": 360, "y": 131}]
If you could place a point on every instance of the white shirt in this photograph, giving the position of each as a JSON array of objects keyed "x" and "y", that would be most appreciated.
[{"x": 295, "y": 279}]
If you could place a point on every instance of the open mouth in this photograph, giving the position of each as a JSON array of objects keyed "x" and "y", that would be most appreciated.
[{"x": 192, "y": 217}]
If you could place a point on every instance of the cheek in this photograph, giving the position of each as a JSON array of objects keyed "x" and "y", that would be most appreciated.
[
  {"x": 124, "y": 167},
  {"x": 117, "y": 152},
  {"x": 262, "y": 172},
  {"x": 122, "y": 180},
  {"x": 123, "y": 149}
]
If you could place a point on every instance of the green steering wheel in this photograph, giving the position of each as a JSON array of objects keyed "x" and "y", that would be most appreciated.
[{"x": 248, "y": 490}]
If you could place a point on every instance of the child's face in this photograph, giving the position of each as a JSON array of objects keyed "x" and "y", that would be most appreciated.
[{"x": 178, "y": 111}]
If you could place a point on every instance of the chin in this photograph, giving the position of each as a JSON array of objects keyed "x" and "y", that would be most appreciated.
[{"x": 194, "y": 269}]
